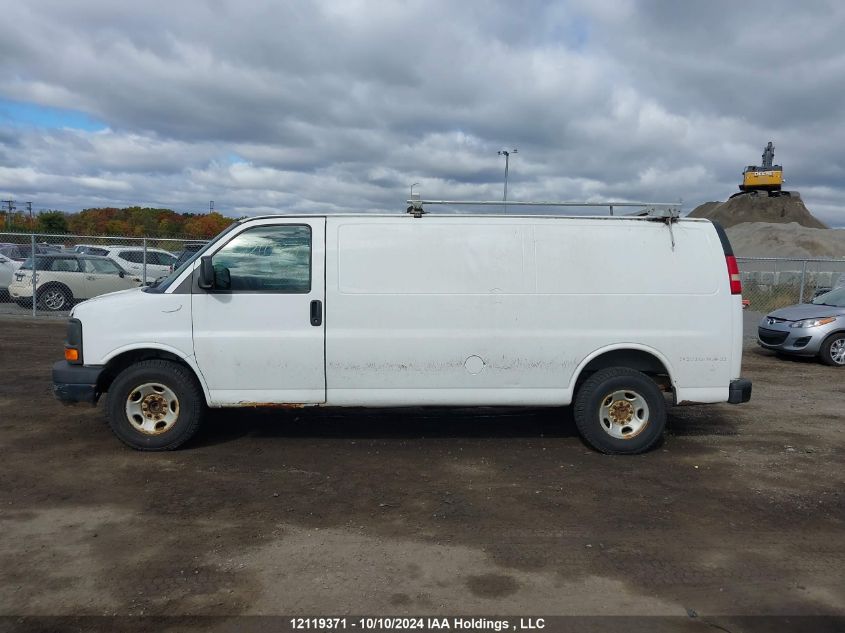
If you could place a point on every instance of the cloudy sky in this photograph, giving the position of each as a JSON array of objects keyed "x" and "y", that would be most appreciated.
[{"x": 341, "y": 105}]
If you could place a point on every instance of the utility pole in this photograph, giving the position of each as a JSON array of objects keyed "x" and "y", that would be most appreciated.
[
  {"x": 11, "y": 209},
  {"x": 29, "y": 208},
  {"x": 211, "y": 206},
  {"x": 507, "y": 155}
]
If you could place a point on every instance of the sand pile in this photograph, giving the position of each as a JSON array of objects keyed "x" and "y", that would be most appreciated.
[
  {"x": 765, "y": 239},
  {"x": 757, "y": 209}
]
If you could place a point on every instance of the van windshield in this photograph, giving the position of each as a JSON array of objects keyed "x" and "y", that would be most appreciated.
[{"x": 168, "y": 281}]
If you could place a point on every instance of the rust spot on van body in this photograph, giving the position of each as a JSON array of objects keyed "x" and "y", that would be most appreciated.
[{"x": 275, "y": 405}]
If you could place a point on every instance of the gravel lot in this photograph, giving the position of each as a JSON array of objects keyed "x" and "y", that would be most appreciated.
[{"x": 740, "y": 511}]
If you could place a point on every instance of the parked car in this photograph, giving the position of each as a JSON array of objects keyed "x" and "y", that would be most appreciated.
[
  {"x": 840, "y": 283},
  {"x": 182, "y": 257},
  {"x": 808, "y": 329},
  {"x": 185, "y": 254},
  {"x": 40, "y": 249},
  {"x": 131, "y": 258},
  {"x": 7, "y": 272},
  {"x": 63, "y": 279},
  {"x": 20, "y": 252},
  {"x": 396, "y": 310},
  {"x": 12, "y": 252}
]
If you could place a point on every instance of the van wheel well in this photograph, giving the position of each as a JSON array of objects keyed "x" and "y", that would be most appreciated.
[
  {"x": 120, "y": 362},
  {"x": 636, "y": 359}
]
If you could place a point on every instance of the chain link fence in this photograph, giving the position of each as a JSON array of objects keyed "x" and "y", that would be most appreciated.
[
  {"x": 72, "y": 268},
  {"x": 67, "y": 269},
  {"x": 769, "y": 283}
]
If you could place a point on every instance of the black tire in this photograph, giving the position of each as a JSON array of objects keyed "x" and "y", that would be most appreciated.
[
  {"x": 602, "y": 416},
  {"x": 55, "y": 298},
  {"x": 174, "y": 379},
  {"x": 832, "y": 349}
]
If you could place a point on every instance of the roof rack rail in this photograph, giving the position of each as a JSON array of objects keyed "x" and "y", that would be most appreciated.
[{"x": 669, "y": 210}]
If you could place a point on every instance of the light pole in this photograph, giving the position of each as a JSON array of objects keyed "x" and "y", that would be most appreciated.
[{"x": 507, "y": 155}]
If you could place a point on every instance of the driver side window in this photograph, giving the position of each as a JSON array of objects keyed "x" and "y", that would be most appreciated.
[{"x": 268, "y": 259}]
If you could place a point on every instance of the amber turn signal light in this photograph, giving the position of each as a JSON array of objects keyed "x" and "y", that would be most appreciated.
[{"x": 71, "y": 354}]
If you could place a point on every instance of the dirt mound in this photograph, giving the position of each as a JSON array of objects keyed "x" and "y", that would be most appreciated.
[
  {"x": 766, "y": 239},
  {"x": 748, "y": 208}
]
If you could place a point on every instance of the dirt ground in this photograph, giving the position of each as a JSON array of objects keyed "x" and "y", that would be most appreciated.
[{"x": 739, "y": 512}]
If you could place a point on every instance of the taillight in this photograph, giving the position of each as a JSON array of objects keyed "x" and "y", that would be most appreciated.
[{"x": 733, "y": 275}]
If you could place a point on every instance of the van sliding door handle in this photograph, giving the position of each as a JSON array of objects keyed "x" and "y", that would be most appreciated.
[{"x": 316, "y": 312}]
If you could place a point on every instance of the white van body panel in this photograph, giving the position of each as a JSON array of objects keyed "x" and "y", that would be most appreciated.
[
  {"x": 122, "y": 321},
  {"x": 133, "y": 320},
  {"x": 507, "y": 310},
  {"x": 448, "y": 310}
]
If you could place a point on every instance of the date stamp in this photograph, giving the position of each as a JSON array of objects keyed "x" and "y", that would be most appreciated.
[{"x": 426, "y": 623}]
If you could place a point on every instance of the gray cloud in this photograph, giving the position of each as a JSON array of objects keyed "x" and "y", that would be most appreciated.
[{"x": 267, "y": 106}]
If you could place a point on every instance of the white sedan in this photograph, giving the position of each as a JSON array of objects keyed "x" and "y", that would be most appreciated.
[
  {"x": 7, "y": 273},
  {"x": 131, "y": 259}
]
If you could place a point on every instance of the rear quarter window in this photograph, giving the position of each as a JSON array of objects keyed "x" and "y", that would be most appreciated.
[
  {"x": 135, "y": 257},
  {"x": 64, "y": 265}
]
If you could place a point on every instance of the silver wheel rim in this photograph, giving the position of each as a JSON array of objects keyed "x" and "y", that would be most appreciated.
[
  {"x": 53, "y": 299},
  {"x": 837, "y": 351},
  {"x": 152, "y": 408},
  {"x": 623, "y": 414}
]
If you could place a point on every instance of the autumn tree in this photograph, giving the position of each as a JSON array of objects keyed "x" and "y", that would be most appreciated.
[
  {"x": 51, "y": 222},
  {"x": 206, "y": 225},
  {"x": 143, "y": 221}
]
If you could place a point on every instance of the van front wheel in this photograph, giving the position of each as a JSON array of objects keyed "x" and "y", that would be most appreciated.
[
  {"x": 620, "y": 411},
  {"x": 155, "y": 405}
]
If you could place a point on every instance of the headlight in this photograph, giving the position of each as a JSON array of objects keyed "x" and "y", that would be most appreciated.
[{"x": 813, "y": 322}]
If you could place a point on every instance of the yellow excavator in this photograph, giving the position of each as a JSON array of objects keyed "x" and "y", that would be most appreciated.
[{"x": 766, "y": 178}]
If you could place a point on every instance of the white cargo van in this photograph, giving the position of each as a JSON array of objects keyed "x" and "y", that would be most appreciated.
[{"x": 614, "y": 314}]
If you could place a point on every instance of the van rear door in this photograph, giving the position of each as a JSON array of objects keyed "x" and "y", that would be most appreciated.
[{"x": 262, "y": 341}]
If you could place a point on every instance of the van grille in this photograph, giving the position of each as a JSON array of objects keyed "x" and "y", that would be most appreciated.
[{"x": 771, "y": 337}]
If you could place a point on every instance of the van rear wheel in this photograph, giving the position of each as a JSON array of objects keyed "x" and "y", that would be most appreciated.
[
  {"x": 155, "y": 405},
  {"x": 620, "y": 411}
]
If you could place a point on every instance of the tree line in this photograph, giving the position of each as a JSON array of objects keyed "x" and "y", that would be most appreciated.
[{"x": 129, "y": 221}]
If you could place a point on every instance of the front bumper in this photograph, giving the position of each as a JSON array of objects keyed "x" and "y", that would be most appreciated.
[
  {"x": 740, "y": 391},
  {"x": 782, "y": 338},
  {"x": 76, "y": 383}
]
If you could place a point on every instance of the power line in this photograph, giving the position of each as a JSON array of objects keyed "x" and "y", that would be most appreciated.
[{"x": 11, "y": 208}]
